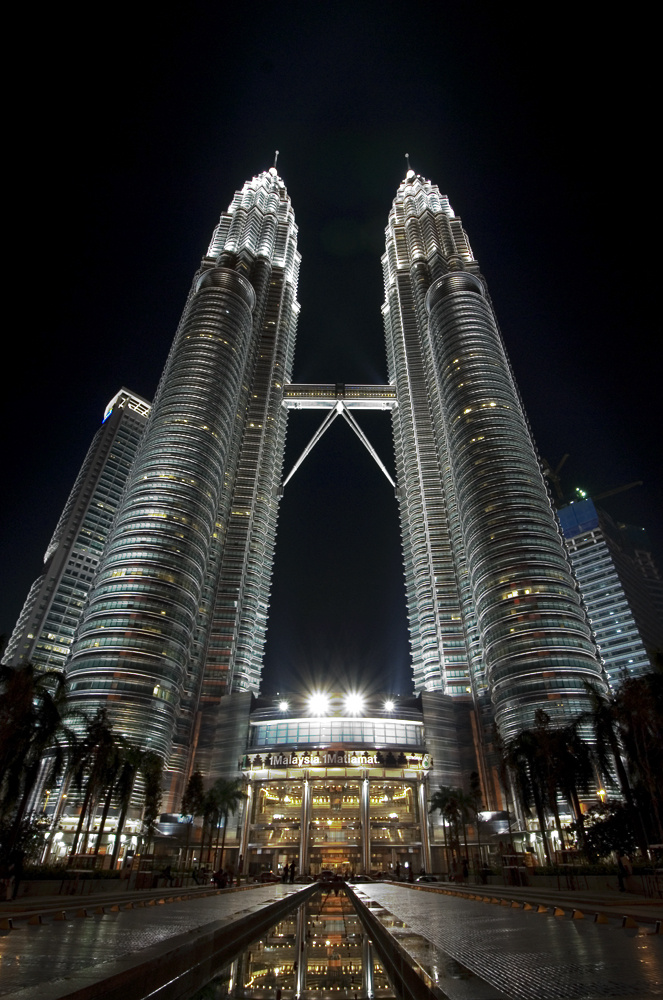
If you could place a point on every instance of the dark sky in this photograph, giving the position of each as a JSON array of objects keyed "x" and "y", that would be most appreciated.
[{"x": 129, "y": 137}]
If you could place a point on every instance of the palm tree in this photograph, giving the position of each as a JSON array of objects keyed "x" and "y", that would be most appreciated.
[
  {"x": 476, "y": 799},
  {"x": 454, "y": 806},
  {"x": 639, "y": 710},
  {"x": 92, "y": 768},
  {"x": 523, "y": 755},
  {"x": 132, "y": 758},
  {"x": 231, "y": 794},
  {"x": 152, "y": 771},
  {"x": 574, "y": 763},
  {"x": 149, "y": 765},
  {"x": 33, "y": 737},
  {"x": 219, "y": 801},
  {"x": 604, "y": 718},
  {"x": 192, "y": 805}
]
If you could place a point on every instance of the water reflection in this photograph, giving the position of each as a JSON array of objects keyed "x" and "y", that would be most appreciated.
[{"x": 320, "y": 950}]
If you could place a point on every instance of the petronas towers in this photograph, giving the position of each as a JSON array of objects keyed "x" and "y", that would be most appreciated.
[
  {"x": 176, "y": 616},
  {"x": 178, "y": 612}
]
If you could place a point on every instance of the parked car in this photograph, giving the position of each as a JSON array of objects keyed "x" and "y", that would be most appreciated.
[
  {"x": 428, "y": 878},
  {"x": 269, "y": 876},
  {"x": 302, "y": 879},
  {"x": 361, "y": 878}
]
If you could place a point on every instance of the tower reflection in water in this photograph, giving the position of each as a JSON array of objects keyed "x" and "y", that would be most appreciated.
[{"x": 320, "y": 950}]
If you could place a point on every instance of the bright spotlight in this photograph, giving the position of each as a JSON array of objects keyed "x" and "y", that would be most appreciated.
[
  {"x": 318, "y": 703},
  {"x": 354, "y": 703},
  {"x": 283, "y": 706},
  {"x": 389, "y": 705}
]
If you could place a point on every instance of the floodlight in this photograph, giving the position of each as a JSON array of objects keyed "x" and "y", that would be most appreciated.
[
  {"x": 389, "y": 705},
  {"x": 318, "y": 703},
  {"x": 283, "y": 706},
  {"x": 354, "y": 703}
]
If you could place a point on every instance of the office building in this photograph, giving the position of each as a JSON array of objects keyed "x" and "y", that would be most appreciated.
[
  {"x": 184, "y": 578},
  {"x": 45, "y": 629},
  {"x": 493, "y": 606},
  {"x": 620, "y": 585}
]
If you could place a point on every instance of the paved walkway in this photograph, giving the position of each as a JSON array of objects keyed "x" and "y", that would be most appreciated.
[
  {"x": 38, "y": 962},
  {"x": 644, "y": 909},
  {"x": 509, "y": 952},
  {"x": 525, "y": 954}
]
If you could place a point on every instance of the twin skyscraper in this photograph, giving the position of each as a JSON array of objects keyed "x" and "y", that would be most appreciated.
[{"x": 177, "y": 612}]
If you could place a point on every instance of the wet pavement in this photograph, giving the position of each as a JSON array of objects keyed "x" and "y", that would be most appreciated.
[
  {"x": 529, "y": 955},
  {"x": 42, "y": 961},
  {"x": 478, "y": 950}
]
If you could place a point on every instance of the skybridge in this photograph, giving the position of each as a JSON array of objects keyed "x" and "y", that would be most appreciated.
[{"x": 339, "y": 399}]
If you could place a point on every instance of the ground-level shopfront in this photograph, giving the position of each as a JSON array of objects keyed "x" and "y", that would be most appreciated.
[{"x": 338, "y": 808}]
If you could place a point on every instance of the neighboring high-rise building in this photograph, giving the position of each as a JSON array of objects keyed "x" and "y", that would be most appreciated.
[
  {"x": 620, "y": 585},
  {"x": 185, "y": 575},
  {"x": 493, "y": 606},
  {"x": 44, "y": 632}
]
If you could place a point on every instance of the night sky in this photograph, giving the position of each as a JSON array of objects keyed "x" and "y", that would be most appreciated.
[{"x": 130, "y": 136}]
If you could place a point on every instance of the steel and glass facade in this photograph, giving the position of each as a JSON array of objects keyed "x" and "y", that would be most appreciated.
[
  {"x": 493, "y": 605},
  {"x": 616, "y": 591},
  {"x": 46, "y": 626},
  {"x": 342, "y": 792},
  {"x": 177, "y": 613}
]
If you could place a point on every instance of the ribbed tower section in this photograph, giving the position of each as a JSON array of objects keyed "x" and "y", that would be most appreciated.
[
  {"x": 422, "y": 238},
  {"x": 259, "y": 229},
  {"x": 142, "y": 642},
  {"x": 482, "y": 527}
]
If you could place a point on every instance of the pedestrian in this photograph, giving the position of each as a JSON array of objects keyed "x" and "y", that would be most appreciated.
[
  {"x": 167, "y": 875},
  {"x": 624, "y": 869},
  {"x": 466, "y": 870},
  {"x": 284, "y": 873},
  {"x": 292, "y": 873}
]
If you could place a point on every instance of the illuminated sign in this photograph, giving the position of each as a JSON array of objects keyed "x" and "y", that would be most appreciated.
[{"x": 338, "y": 758}]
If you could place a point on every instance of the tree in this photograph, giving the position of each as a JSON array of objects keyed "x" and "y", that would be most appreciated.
[
  {"x": 476, "y": 799},
  {"x": 33, "y": 737},
  {"x": 231, "y": 794},
  {"x": 523, "y": 755},
  {"x": 132, "y": 758},
  {"x": 152, "y": 771},
  {"x": 149, "y": 765},
  {"x": 455, "y": 807},
  {"x": 192, "y": 804},
  {"x": 607, "y": 721},
  {"x": 91, "y": 770},
  {"x": 574, "y": 768},
  {"x": 608, "y": 831},
  {"x": 219, "y": 801},
  {"x": 639, "y": 714}
]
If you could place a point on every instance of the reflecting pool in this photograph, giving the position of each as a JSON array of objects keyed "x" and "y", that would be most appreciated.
[{"x": 320, "y": 950}]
